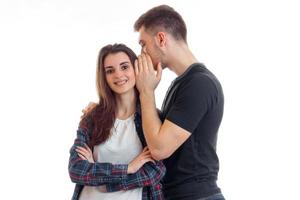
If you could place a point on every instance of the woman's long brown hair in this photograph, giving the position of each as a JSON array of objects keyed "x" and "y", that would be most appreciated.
[{"x": 101, "y": 119}]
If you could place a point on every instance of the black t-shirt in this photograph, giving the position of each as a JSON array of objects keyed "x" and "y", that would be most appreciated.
[{"x": 194, "y": 102}]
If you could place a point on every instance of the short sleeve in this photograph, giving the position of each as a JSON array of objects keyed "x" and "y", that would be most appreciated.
[{"x": 193, "y": 99}]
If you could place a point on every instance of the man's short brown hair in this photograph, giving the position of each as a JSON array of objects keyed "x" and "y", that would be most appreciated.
[{"x": 165, "y": 17}]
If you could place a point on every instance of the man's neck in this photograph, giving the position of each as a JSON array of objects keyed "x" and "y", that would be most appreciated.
[{"x": 180, "y": 59}]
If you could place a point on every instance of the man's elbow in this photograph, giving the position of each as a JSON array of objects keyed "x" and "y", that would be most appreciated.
[{"x": 158, "y": 154}]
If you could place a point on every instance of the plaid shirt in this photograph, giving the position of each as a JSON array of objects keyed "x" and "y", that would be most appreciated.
[{"x": 115, "y": 177}]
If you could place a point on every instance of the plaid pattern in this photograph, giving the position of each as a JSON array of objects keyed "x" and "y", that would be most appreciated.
[{"x": 115, "y": 177}]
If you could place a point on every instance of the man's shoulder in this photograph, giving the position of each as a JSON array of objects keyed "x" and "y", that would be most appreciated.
[
  {"x": 199, "y": 83},
  {"x": 198, "y": 78},
  {"x": 200, "y": 75},
  {"x": 197, "y": 72}
]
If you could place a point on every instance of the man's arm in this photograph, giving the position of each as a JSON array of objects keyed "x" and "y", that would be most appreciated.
[{"x": 162, "y": 138}]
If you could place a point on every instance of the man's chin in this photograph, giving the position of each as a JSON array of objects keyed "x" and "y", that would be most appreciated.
[{"x": 163, "y": 66}]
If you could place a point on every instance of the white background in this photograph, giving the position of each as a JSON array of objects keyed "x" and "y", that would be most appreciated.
[{"x": 48, "y": 53}]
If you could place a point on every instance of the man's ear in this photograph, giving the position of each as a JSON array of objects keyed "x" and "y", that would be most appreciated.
[{"x": 161, "y": 39}]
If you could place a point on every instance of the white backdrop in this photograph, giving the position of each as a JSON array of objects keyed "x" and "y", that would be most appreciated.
[{"x": 48, "y": 53}]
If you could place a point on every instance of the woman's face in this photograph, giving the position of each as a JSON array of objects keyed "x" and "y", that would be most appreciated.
[{"x": 119, "y": 72}]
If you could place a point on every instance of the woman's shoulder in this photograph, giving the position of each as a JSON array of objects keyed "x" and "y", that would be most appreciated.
[{"x": 86, "y": 123}]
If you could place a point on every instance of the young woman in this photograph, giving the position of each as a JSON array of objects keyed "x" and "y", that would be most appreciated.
[{"x": 109, "y": 158}]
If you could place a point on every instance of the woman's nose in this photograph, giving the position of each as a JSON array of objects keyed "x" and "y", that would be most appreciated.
[{"x": 118, "y": 73}]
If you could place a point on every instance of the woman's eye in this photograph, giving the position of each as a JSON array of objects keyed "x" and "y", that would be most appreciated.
[
  {"x": 109, "y": 71},
  {"x": 124, "y": 67}
]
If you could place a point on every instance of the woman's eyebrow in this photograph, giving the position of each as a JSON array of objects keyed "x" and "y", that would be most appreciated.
[{"x": 125, "y": 62}]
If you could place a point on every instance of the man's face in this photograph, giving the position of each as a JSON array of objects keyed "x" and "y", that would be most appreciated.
[{"x": 148, "y": 45}]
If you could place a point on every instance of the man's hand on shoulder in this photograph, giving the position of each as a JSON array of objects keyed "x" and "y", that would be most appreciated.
[{"x": 88, "y": 109}]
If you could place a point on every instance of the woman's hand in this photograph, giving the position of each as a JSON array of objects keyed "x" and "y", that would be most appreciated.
[
  {"x": 139, "y": 161},
  {"x": 85, "y": 153}
]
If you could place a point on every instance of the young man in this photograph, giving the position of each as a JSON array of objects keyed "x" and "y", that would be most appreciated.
[{"x": 191, "y": 112}]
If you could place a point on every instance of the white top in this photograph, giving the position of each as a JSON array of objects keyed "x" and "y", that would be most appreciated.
[{"x": 121, "y": 148}]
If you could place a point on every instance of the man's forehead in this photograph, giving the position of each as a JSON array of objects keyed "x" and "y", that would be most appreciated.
[
  {"x": 142, "y": 32},
  {"x": 141, "y": 38}
]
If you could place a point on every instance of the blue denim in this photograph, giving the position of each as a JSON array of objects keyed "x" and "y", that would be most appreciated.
[{"x": 218, "y": 196}]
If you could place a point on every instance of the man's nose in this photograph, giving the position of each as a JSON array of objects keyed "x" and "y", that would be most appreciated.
[{"x": 143, "y": 50}]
